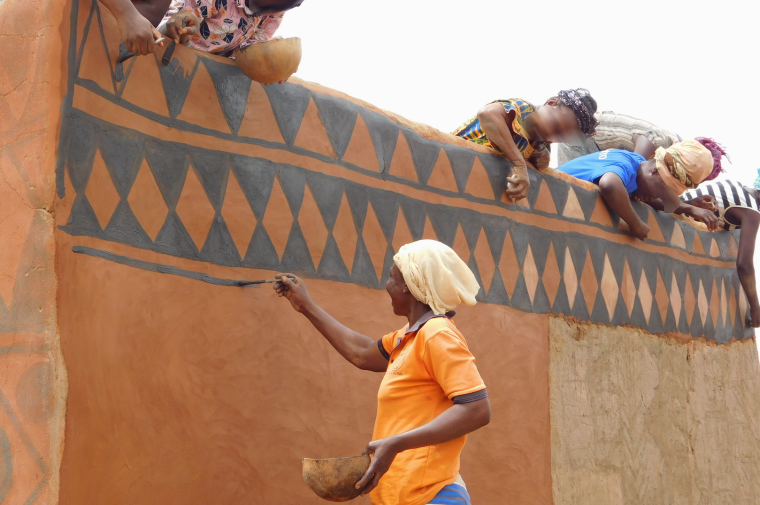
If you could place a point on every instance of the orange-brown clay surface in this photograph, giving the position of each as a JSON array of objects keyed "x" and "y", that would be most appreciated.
[
  {"x": 129, "y": 194},
  {"x": 32, "y": 377},
  {"x": 185, "y": 392}
]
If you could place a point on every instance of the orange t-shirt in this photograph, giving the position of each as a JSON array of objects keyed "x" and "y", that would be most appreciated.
[{"x": 426, "y": 370}]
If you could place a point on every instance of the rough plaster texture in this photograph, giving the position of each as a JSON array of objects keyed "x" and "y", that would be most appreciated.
[
  {"x": 639, "y": 419},
  {"x": 32, "y": 372}
]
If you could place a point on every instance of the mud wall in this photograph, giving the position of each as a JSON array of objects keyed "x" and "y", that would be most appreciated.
[
  {"x": 638, "y": 419},
  {"x": 132, "y": 194},
  {"x": 32, "y": 374}
]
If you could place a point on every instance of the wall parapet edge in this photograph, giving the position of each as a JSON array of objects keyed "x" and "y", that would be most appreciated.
[{"x": 192, "y": 159}]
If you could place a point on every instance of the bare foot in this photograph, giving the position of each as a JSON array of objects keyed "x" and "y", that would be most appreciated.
[{"x": 640, "y": 231}]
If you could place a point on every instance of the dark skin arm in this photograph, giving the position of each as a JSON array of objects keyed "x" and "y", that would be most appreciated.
[
  {"x": 363, "y": 352},
  {"x": 457, "y": 421},
  {"x": 700, "y": 214},
  {"x": 360, "y": 350},
  {"x": 541, "y": 159},
  {"x": 643, "y": 146},
  {"x": 614, "y": 193},
  {"x": 137, "y": 32},
  {"x": 495, "y": 122},
  {"x": 745, "y": 264}
]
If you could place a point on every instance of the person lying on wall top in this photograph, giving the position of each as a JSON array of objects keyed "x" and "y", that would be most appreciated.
[
  {"x": 657, "y": 182},
  {"x": 523, "y": 133},
  {"x": 137, "y": 20},
  {"x": 618, "y": 131},
  {"x": 224, "y": 26},
  {"x": 732, "y": 206},
  {"x": 432, "y": 394}
]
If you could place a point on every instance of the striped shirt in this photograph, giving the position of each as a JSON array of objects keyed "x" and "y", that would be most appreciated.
[
  {"x": 727, "y": 194},
  {"x": 616, "y": 131}
]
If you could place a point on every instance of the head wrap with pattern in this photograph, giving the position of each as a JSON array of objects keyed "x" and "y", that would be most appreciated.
[
  {"x": 683, "y": 165},
  {"x": 584, "y": 107}
]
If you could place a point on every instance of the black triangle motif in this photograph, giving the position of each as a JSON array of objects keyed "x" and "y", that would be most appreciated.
[
  {"x": 122, "y": 152},
  {"x": 124, "y": 227},
  {"x": 384, "y": 135},
  {"x": 168, "y": 163},
  {"x": 385, "y": 204},
  {"x": 357, "y": 200},
  {"x": 232, "y": 88},
  {"x": 293, "y": 181},
  {"x": 256, "y": 177},
  {"x": 559, "y": 190},
  {"x": 587, "y": 199},
  {"x": 211, "y": 167},
  {"x": 296, "y": 257},
  {"x": 497, "y": 294},
  {"x": 415, "y": 213},
  {"x": 520, "y": 298},
  {"x": 332, "y": 265},
  {"x": 363, "y": 272},
  {"x": 173, "y": 239},
  {"x": 498, "y": 169},
  {"x": 462, "y": 160},
  {"x": 219, "y": 247},
  {"x": 289, "y": 103},
  {"x": 424, "y": 154},
  {"x": 328, "y": 193},
  {"x": 444, "y": 220},
  {"x": 83, "y": 218},
  {"x": 339, "y": 117},
  {"x": 261, "y": 251},
  {"x": 81, "y": 151},
  {"x": 176, "y": 81}
]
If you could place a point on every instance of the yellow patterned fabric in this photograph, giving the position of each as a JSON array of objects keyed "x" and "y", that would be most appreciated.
[
  {"x": 683, "y": 165},
  {"x": 472, "y": 130}
]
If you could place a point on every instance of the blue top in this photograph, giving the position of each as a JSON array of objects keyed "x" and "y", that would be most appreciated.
[{"x": 593, "y": 166}]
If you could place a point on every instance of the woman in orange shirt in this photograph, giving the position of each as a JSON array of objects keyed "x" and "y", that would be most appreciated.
[{"x": 432, "y": 395}]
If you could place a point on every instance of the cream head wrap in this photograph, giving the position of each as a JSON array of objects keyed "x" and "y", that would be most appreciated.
[
  {"x": 436, "y": 276},
  {"x": 684, "y": 165}
]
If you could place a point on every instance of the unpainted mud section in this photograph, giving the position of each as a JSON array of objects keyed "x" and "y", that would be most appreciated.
[{"x": 639, "y": 419}]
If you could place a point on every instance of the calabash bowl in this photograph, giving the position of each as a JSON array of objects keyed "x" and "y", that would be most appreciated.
[
  {"x": 334, "y": 479},
  {"x": 270, "y": 62}
]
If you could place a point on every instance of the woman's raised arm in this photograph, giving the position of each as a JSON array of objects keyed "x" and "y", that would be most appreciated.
[{"x": 360, "y": 350}]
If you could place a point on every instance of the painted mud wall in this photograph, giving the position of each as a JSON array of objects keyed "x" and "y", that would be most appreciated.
[
  {"x": 172, "y": 178},
  {"x": 32, "y": 372}
]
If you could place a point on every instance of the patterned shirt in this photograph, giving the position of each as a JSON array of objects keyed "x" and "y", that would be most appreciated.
[
  {"x": 472, "y": 130},
  {"x": 616, "y": 131},
  {"x": 727, "y": 194},
  {"x": 226, "y": 25}
]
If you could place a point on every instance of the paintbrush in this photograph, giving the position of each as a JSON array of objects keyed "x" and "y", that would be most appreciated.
[{"x": 265, "y": 281}]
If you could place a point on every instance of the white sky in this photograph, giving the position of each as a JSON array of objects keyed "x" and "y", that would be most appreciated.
[{"x": 690, "y": 67}]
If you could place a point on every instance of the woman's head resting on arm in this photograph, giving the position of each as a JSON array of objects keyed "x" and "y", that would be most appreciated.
[
  {"x": 432, "y": 274},
  {"x": 567, "y": 117},
  {"x": 672, "y": 171}
]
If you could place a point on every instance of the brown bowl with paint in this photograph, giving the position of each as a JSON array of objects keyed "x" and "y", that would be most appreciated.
[
  {"x": 270, "y": 62},
  {"x": 334, "y": 479}
]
